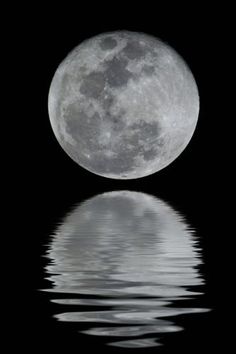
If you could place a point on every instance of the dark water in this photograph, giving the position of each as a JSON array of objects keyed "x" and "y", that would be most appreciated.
[{"x": 125, "y": 266}]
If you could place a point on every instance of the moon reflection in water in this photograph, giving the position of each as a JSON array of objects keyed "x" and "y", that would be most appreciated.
[{"x": 132, "y": 260}]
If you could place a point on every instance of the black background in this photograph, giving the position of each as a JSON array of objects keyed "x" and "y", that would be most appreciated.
[{"x": 50, "y": 182}]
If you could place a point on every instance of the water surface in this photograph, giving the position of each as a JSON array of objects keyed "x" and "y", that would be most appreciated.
[{"x": 125, "y": 264}]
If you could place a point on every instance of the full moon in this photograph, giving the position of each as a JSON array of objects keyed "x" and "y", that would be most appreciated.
[{"x": 123, "y": 105}]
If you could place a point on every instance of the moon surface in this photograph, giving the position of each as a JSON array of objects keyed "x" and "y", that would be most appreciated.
[{"x": 123, "y": 104}]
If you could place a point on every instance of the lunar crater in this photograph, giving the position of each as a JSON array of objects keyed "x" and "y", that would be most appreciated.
[
  {"x": 146, "y": 130},
  {"x": 150, "y": 154},
  {"x": 93, "y": 85},
  {"x": 148, "y": 70},
  {"x": 108, "y": 43},
  {"x": 116, "y": 72},
  {"x": 133, "y": 50}
]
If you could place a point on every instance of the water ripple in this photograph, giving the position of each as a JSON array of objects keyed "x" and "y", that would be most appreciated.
[{"x": 129, "y": 260}]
